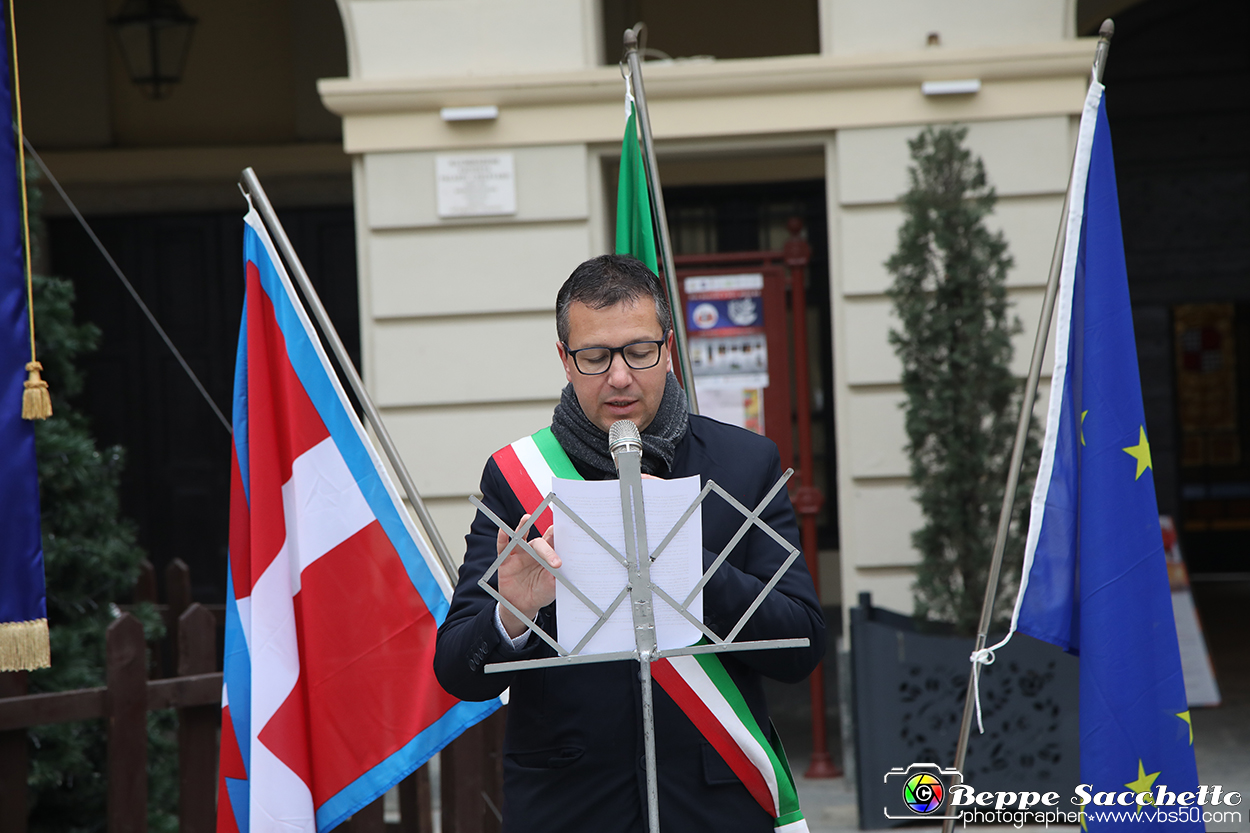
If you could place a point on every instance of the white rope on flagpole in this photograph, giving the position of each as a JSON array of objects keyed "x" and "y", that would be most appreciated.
[{"x": 1074, "y": 217}]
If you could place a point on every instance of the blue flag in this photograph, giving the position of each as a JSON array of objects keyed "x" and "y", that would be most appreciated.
[
  {"x": 1095, "y": 581},
  {"x": 23, "y": 606}
]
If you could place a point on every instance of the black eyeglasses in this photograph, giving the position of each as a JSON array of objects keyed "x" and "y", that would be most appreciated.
[{"x": 641, "y": 355}]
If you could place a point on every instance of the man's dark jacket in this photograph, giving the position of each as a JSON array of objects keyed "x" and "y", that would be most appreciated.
[{"x": 573, "y": 750}]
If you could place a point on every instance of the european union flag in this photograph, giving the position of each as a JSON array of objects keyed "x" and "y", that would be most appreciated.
[
  {"x": 23, "y": 605},
  {"x": 1095, "y": 582}
]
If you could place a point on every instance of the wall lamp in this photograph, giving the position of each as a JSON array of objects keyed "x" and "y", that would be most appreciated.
[
  {"x": 964, "y": 86},
  {"x": 155, "y": 37},
  {"x": 485, "y": 112}
]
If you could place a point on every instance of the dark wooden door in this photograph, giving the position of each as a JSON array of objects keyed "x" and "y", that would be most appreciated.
[{"x": 1179, "y": 114}]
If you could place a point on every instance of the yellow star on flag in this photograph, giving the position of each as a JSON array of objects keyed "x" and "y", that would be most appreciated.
[
  {"x": 1082, "y": 820},
  {"x": 1141, "y": 452},
  {"x": 1083, "y": 415},
  {"x": 1143, "y": 783},
  {"x": 1185, "y": 717}
]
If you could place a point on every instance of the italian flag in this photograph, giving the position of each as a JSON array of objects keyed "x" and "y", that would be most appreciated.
[{"x": 635, "y": 233}]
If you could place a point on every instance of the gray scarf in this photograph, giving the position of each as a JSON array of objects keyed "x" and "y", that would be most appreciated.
[{"x": 586, "y": 443}]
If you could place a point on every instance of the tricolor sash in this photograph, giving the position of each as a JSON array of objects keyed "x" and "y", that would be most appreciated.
[{"x": 699, "y": 685}]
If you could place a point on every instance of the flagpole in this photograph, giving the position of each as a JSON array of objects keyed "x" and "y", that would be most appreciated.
[
  {"x": 1105, "y": 33},
  {"x": 661, "y": 218},
  {"x": 252, "y": 188}
]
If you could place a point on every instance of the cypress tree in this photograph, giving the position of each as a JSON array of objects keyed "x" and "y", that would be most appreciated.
[{"x": 962, "y": 403}]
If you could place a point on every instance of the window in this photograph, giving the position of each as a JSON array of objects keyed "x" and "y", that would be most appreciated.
[{"x": 718, "y": 28}]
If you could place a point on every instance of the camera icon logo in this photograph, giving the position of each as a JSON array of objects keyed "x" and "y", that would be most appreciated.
[
  {"x": 923, "y": 789},
  {"x": 923, "y": 793}
]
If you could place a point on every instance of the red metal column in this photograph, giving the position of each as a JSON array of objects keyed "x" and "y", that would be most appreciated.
[{"x": 807, "y": 497}]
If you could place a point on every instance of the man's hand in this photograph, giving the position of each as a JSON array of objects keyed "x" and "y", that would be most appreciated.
[{"x": 523, "y": 581}]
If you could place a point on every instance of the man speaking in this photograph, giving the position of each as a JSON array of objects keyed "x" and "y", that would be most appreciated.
[{"x": 573, "y": 749}]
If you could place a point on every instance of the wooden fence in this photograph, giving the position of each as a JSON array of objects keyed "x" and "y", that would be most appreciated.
[{"x": 470, "y": 775}]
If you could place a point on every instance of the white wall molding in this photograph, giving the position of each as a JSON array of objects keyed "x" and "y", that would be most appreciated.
[{"x": 692, "y": 100}]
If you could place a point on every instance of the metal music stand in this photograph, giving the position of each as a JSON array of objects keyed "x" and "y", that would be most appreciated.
[{"x": 637, "y": 561}]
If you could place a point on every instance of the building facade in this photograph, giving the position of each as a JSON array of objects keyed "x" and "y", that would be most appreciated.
[
  {"x": 760, "y": 111},
  {"x": 457, "y": 329}
]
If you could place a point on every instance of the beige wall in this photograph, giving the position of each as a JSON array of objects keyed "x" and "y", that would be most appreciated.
[
  {"x": 457, "y": 315},
  {"x": 453, "y": 38},
  {"x": 457, "y": 321}
]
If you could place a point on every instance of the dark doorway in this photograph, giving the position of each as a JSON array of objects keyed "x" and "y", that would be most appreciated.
[
  {"x": 188, "y": 270},
  {"x": 709, "y": 219},
  {"x": 1179, "y": 112}
]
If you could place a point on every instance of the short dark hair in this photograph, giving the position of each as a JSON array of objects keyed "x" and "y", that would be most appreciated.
[{"x": 606, "y": 281}]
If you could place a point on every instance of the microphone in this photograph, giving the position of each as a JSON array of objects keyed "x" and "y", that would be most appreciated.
[{"x": 623, "y": 437}]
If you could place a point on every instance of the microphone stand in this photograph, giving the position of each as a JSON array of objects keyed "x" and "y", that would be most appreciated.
[{"x": 626, "y": 446}]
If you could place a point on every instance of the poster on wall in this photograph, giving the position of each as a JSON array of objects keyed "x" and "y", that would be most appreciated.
[
  {"x": 1206, "y": 384},
  {"x": 728, "y": 347}
]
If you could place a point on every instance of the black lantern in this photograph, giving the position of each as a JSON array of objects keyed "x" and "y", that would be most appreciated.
[{"x": 155, "y": 37}]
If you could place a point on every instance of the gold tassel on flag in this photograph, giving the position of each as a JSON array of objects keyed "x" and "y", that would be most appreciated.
[
  {"x": 24, "y": 645},
  {"x": 36, "y": 403}
]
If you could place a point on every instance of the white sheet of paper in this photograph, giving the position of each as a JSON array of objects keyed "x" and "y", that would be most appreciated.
[{"x": 600, "y": 576}]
